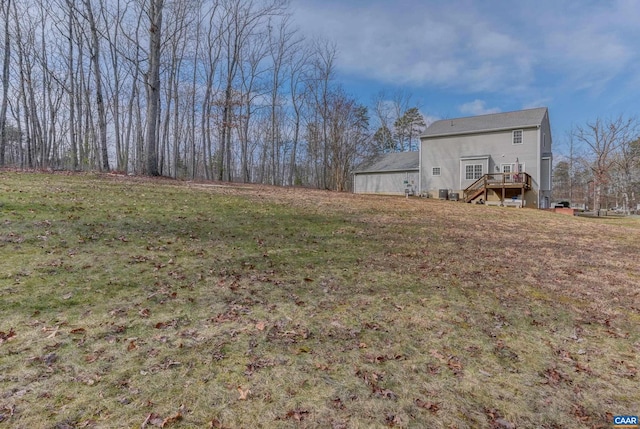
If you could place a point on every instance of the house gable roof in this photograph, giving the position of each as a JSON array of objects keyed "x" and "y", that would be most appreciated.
[
  {"x": 390, "y": 162},
  {"x": 484, "y": 123}
]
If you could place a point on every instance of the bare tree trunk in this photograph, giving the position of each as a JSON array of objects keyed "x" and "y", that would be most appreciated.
[
  {"x": 5, "y": 82},
  {"x": 324, "y": 69},
  {"x": 153, "y": 85},
  {"x": 103, "y": 158},
  {"x": 73, "y": 144},
  {"x": 194, "y": 83},
  {"x": 279, "y": 47},
  {"x": 112, "y": 24},
  {"x": 296, "y": 80},
  {"x": 25, "y": 76},
  {"x": 214, "y": 49},
  {"x": 82, "y": 123}
]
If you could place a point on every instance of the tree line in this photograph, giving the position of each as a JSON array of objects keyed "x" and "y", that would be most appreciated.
[
  {"x": 223, "y": 90},
  {"x": 602, "y": 169}
]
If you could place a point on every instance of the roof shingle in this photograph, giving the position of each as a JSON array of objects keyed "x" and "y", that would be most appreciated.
[
  {"x": 388, "y": 162},
  {"x": 494, "y": 121}
]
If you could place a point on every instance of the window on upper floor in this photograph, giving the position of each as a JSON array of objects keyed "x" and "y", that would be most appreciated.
[
  {"x": 435, "y": 171},
  {"x": 517, "y": 137}
]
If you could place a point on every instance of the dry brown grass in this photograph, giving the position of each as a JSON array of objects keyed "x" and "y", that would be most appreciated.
[{"x": 129, "y": 302}]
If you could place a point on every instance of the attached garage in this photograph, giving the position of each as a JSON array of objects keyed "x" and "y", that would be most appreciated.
[{"x": 391, "y": 174}]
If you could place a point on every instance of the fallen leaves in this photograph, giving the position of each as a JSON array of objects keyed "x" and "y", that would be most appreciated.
[
  {"x": 581, "y": 413},
  {"x": 53, "y": 331},
  {"x": 216, "y": 424},
  {"x": 91, "y": 358},
  {"x": 436, "y": 354},
  {"x": 244, "y": 393},
  {"x": 392, "y": 420},
  {"x": 7, "y": 336},
  {"x": 279, "y": 333},
  {"x": 625, "y": 369},
  {"x": 553, "y": 376},
  {"x": 455, "y": 365},
  {"x": 257, "y": 364},
  {"x": 497, "y": 421},
  {"x": 373, "y": 379},
  {"x": 156, "y": 420},
  {"x": 231, "y": 315},
  {"x": 453, "y": 362},
  {"x": 233, "y": 335},
  {"x": 7, "y": 412},
  {"x": 297, "y": 415},
  {"x": 168, "y": 324},
  {"x": 382, "y": 358},
  {"x": 427, "y": 405}
]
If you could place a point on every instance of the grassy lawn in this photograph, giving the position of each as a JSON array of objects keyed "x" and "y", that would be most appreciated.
[{"x": 137, "y": 303}]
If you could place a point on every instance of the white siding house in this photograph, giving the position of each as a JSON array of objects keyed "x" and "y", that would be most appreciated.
[{"x": 497, "y": 158}]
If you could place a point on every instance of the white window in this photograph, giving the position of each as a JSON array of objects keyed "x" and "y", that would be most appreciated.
[
  {"x": 517, "y": 136},
  {"x": 435, "y": 171},
  {"x": 473, "y": 171},
  {"x": 506, "y": 168}
]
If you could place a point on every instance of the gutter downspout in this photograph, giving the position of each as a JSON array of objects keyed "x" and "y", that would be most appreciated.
[
  {"x": 420, "y": 168},
  {"x": 539, "y": 162}
]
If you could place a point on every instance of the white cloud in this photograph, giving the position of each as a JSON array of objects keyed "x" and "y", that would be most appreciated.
[
  {"x": 417, "y": 43},
  {"x": 430, "y": 119},
  {"x": 477, "y": 107},
  {"x": 470, "y": 46}
]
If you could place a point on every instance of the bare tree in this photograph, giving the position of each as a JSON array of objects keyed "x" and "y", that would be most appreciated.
[
  {"x": 394, "y": 131},
  {"x": 241, "y": 20},
  {"x": 281, "y": 43},
  {"x": 5, "y": 10},
  {"x": 210, "y": 62},
  {"x": 298, "y": 75},
  {"x": 250, "y": 90},
  {"x": 626, "y": 171},
  {"x": 112, "y": 23},
  {"x": 320, "y": 89},
  {"x": 348, "y": 136},
  {"x": 23, "y": 46},
  {"x": 152, "y": 81},
  {"x": 217, "y": 88},
  {"x": 601, "y": 139},
  {"x": 94, "y": 49}
]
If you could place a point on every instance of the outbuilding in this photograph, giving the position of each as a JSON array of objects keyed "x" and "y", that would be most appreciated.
[{"x": 390, "y": 174}]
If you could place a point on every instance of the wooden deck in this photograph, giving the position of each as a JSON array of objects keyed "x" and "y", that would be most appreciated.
[{"x": 500, "y": 183}]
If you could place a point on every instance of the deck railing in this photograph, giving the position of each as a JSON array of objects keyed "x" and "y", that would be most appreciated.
[
  {"x": 509, "y": 178},
  {"x": 497, "y": 180}
]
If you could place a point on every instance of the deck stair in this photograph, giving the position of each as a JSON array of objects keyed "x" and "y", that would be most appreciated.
[{"x": 500, "y": 183}]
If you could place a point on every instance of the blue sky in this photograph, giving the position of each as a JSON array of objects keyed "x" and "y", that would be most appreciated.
[{"x": 456, "y": 58}]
